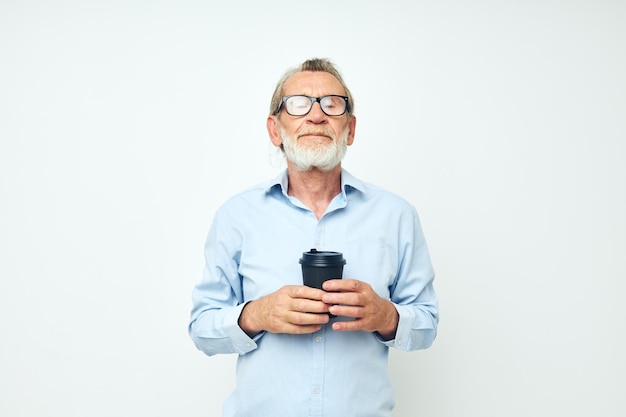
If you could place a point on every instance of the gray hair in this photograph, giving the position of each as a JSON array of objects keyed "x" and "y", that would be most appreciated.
[{"x": 314, "y": 65}]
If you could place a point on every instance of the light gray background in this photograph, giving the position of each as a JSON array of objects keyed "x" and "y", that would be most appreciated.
[{"x": 124, "y": 124}]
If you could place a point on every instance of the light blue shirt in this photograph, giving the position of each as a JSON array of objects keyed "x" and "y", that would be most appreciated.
[{"x": 253, "y": 248}]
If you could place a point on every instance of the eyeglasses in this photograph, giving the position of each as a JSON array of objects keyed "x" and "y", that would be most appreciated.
[{"x": 302, "y": 105}]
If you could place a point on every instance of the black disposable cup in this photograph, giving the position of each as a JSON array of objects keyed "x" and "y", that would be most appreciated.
[{"x": 320, "y": 266}]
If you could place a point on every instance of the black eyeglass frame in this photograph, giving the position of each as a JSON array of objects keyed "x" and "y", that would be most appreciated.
[{"x": 313, "y": 101}]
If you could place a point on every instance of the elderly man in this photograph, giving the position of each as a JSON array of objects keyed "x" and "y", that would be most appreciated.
[{"x": 294, "y": 361}]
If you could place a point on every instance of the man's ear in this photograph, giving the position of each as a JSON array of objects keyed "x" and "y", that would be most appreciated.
[
  {"x": 273, "y": 131},
  {"x": 352, "y": 127}
]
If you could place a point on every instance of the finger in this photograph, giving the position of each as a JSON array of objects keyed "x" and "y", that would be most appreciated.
[
  {"x": 348, "y": 298},
  {"x": 298, "y": 323},
  {"x": 346, "y": 285},
  {"x": 347, "y": 311},
  {"x": 307, "y": 319},
  {"x": 302, "y": 291},
  {"x": 293, "y": 329},
  {"x": 304, "y": 305},
  {"x": 348, "y": 326}
]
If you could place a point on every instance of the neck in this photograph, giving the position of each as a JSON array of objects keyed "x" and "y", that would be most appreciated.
[{"x": 314, "y": 188}]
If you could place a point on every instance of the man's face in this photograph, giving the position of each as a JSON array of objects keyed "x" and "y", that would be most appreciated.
[{"x": 315, "y": 139}]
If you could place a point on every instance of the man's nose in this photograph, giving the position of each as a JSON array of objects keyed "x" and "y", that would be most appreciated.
[{"x": 316, "y": 114}]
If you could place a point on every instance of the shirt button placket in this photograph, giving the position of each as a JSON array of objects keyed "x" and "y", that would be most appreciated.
[
  {"x": 318, "y": 239},
  {"x": 317, "y": 381}
]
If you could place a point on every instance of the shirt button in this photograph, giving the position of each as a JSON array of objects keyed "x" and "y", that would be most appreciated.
[
  {"x": 317, "y": 390},
  {"x": 399, "y": 342},
  {"x": 318, "y": 339}
]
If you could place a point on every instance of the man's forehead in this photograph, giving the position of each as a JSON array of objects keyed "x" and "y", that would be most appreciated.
[{"x": 314, "y": 80}]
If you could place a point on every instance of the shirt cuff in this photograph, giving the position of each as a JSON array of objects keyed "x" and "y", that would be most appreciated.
[
  {"x": 242, "y": 343},
  {"x": 402, "y": 332}
]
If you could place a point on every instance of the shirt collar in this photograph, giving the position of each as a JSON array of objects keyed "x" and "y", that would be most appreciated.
[{"x": 347, "y": 180}]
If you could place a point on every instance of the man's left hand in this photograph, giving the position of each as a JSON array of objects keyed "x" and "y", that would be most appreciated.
[{"x": 357, "y": 299}]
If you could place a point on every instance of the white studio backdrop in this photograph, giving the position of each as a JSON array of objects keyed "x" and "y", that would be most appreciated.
[{"x": 125, "y": 124}]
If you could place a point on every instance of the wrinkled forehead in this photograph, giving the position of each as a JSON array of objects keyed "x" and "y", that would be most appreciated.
[{"x": 314, "y": 84}]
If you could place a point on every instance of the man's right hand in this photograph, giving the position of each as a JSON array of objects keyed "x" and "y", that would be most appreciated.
[{"x": 291, "y": 309}]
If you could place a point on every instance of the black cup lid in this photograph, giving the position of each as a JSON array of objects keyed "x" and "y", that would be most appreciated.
[{"x": 322, "y": 258}]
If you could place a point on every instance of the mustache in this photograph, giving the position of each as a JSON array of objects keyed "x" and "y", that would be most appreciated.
[{"x": 317, "y": 131}]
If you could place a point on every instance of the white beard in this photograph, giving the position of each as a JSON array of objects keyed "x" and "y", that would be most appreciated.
[{"x": 322, "y": 157}]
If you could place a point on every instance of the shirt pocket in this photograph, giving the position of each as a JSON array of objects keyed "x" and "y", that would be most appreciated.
[{"x": 373, "y": 263}]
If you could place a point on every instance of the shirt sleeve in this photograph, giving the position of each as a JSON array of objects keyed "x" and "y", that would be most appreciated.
[
  {"x": 413, "y": 293},
  {"x": 218, "y": 298}
]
